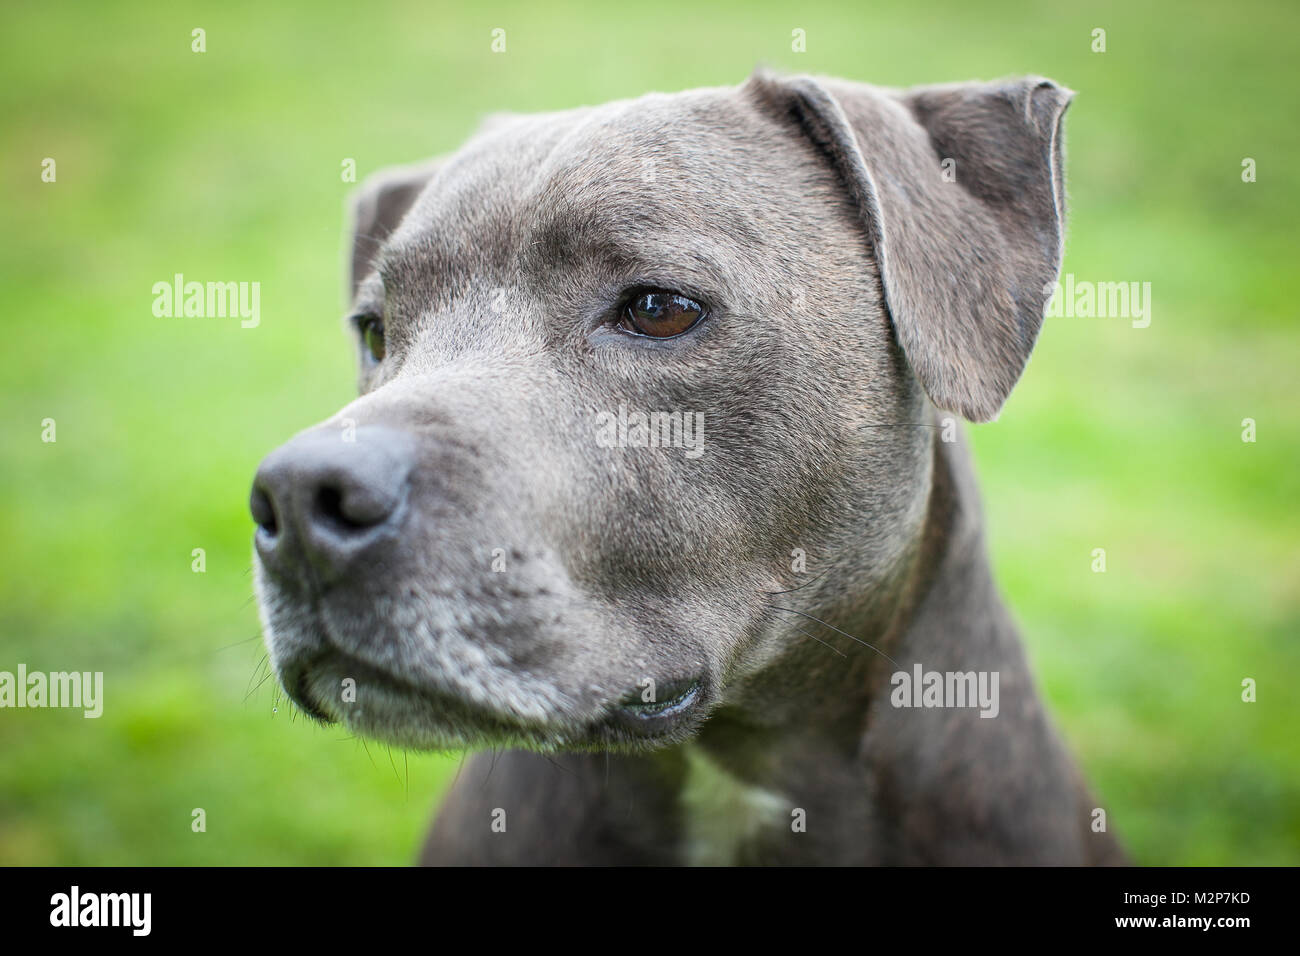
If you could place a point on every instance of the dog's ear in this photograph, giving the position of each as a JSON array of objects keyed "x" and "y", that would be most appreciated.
[
  {"x": 378, "y": 205},
  {"x": 961, "y": 195}
]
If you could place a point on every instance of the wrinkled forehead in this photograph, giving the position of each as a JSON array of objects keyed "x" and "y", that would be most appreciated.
[{"x": 697, "y": 166}]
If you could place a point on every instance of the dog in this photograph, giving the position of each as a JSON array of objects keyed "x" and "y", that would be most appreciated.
[{"x": 654, "y": 494}]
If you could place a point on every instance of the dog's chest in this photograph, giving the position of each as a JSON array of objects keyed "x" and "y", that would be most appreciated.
[{"x": 724, "y": 816}]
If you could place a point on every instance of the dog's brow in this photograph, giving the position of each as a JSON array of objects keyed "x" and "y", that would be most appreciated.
[
  {"x": 430, "y": 258},
  {"x": 395, "y": 266},
  {"x": 370, "y": 292},
  {"x": 387, "y": 265},
  {"x": 628, "y": 244}
]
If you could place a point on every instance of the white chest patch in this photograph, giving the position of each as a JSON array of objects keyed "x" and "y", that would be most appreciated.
[{"x": 723, "y": 813}]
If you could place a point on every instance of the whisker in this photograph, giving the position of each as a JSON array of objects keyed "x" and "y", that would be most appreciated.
[
  {"x": 362, "y": 741},
  {"x": 256, "y": 670},
  {"x": 820, "y": 641},
  {"x": 791, "y": 610},
  {"x": 373, "y": 238},
  {"x": 258, "y": 687},
  {"x": 394, "y": 764},
  {"x": 800, "y": 587},
  {"x": 247, "y": 640},
  {"x": 459, "y": 767},
  {"x": 495, "y": 754},
  {"x": 556, "y": 765}
]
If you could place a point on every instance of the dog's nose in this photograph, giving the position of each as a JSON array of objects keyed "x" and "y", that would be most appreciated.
[{"x": 326, "y": 497}]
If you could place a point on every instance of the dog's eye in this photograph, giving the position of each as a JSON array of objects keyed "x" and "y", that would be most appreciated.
[
  {"x": 372, "y": 336},
  {"x": 660, "y": 314}
]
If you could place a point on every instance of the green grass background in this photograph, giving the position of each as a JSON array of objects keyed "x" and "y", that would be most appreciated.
[{"x": 226, "y": 165}]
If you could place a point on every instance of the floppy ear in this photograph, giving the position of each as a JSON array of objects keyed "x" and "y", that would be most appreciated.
[
  {"x": 378, "y": 205},
  {"x": 968, "y": 250}
]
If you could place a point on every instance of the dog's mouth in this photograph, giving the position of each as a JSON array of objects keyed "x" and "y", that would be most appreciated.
[{"x": 334, "y": 686}]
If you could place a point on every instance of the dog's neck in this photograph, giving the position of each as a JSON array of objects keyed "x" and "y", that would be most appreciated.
[
  {"x": 818, "y": 699},
  {"x": 796, "y": 741}
]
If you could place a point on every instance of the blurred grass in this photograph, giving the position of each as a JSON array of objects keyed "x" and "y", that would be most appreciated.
[{"x": 225, "y": 165}]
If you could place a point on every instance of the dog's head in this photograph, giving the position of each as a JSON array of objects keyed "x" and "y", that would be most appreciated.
[{"x": 626, "y": 372}]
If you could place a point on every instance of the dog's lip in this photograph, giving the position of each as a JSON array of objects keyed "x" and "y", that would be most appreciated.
[
  {"x": 451, "y": 706},
  {"x": 293, "y": 679}
]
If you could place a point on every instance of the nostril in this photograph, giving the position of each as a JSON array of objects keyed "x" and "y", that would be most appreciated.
[
  {"x": 259, "y": 503},
  {"x": 329, "y": 505},
  {"x": 351, "y": 509}
]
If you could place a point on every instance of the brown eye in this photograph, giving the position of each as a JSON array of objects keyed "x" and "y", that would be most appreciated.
[
  {"x": 372, "y": 334},
  {"x": 660, "y": 315}
]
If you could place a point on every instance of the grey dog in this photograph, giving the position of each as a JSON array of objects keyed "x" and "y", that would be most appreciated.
[{"x": 652, "y": 495}]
